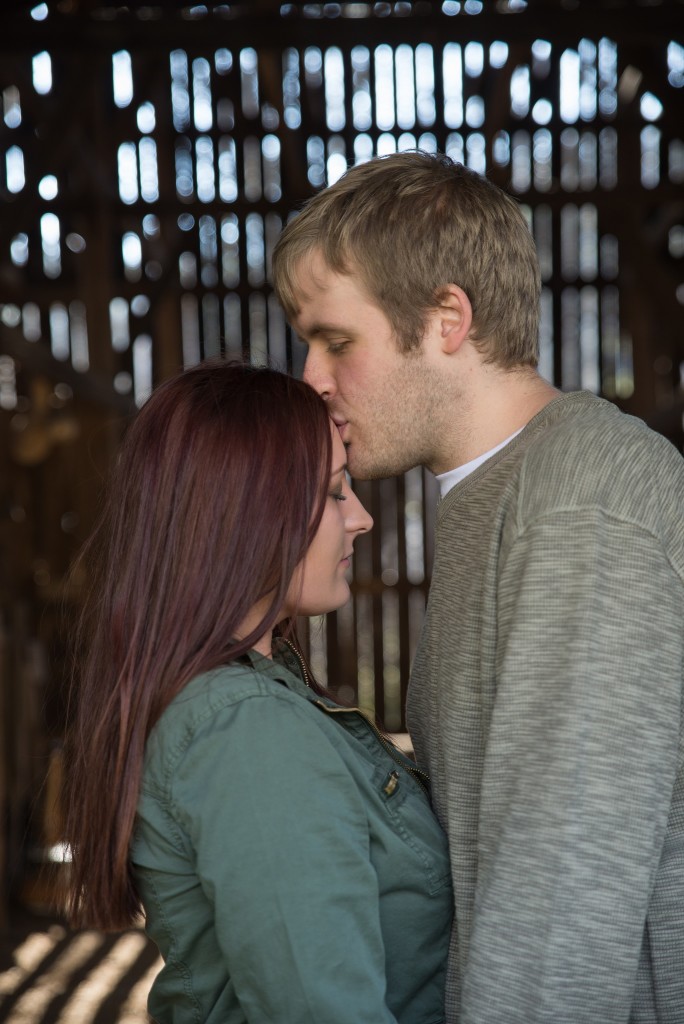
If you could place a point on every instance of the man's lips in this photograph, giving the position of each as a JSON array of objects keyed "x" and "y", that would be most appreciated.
[{"x": 342, "y": 426}]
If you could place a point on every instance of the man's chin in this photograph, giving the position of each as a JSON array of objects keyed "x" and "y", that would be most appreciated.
[{"x": 362, "y": 469}]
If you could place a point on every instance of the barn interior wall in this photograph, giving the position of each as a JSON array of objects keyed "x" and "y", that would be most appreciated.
[{"x": 150, "y": 161}]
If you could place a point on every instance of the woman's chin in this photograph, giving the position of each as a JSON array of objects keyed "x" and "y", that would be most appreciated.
[{"x": 331, "y": 605}]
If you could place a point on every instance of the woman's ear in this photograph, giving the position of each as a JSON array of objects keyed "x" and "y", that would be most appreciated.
[{"x": 454, "y": 315}]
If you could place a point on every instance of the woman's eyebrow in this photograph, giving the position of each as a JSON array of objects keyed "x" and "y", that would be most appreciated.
[{"x": 342, "y": 469}]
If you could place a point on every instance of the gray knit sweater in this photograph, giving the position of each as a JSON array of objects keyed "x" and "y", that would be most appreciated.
[{"x": 546, "y": 704}]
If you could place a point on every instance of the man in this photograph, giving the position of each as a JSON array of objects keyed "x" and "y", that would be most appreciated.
[{"x": 546, "y": 695}]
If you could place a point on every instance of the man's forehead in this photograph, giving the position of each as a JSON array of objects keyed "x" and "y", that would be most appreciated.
[
  {"x": 314, "y": 280},
  {"x": 312, "y": 283},
  {"x": 312, "y": 274}
]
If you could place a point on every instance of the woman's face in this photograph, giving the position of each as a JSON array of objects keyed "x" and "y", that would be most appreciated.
[{"x": 320, "y": 580}]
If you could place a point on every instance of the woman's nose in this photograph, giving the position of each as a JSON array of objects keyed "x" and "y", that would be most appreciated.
[{"x": 358, "y": 519}]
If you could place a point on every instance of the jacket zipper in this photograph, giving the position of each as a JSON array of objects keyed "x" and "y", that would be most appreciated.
[
  {"x": 421, "y": 777},
  {"x": 418, "y": 775}
]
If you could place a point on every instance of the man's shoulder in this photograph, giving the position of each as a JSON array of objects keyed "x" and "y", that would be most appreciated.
[
  {"x": 586, "y": 453},
  {"x": 585, "y": 427}
]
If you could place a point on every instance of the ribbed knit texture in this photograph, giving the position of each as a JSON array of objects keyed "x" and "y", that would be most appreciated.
[{"x": 546, "y": 704}]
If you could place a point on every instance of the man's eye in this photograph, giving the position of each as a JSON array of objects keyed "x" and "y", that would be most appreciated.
[{"x": 336, "y": 346}]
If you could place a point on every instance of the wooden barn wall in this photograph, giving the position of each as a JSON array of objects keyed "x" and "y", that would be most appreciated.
[{"x": 148, "y": 165}]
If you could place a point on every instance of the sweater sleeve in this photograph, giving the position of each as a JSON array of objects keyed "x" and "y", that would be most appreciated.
[
  {"x": 281, "y": 839},
  {"x": 580, "y": 765}
]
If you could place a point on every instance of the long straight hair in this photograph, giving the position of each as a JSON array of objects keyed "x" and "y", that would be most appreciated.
[{"x": 215, "y": 496}]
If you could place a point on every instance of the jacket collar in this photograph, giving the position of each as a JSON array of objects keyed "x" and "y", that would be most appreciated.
[{"x": 284, "y": 667}]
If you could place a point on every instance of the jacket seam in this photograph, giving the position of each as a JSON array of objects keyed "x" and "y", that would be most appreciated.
[{"x": 227, "y": 700}]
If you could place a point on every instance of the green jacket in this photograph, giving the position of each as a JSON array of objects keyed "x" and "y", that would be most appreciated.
[{"x": 289, "y": 863}]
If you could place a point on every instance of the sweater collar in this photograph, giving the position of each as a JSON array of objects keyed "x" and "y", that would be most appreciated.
[{"x": 557, "y": 409}]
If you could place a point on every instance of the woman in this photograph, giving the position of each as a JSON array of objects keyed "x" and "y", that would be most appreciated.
[{"x": 285, "y": 854}]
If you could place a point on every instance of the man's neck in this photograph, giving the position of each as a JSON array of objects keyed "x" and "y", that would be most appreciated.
[{"x": 500, "y": 404}]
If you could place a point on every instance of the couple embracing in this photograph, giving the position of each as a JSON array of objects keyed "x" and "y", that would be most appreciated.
[{"x": 292, "y": 865}]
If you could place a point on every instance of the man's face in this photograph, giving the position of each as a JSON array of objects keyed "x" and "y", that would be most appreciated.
[{"x": 379, "y": 398}]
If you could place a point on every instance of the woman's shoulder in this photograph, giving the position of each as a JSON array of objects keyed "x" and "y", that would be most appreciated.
[
  {"x": 227, "y": 684},
  {"x": 211, "y": 702}
]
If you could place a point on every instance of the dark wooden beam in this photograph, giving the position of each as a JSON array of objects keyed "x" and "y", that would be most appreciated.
[
  {"x": 165, "y": 28},
  {"x": 35, "y": 358}
]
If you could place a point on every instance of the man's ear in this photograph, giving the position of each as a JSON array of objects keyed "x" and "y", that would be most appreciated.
[{"x": 454, "y": 317}]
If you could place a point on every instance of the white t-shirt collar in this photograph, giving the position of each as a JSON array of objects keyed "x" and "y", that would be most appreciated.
[{"x": 454, "y": 476}]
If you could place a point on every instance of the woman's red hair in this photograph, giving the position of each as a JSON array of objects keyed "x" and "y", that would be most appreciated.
[{"x": 216, "y": 494}]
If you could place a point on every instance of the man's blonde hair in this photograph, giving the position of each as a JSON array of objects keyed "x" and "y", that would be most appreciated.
[{"x": 409, "y": 225}]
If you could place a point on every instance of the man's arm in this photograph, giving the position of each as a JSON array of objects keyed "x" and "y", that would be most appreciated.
[{"x": 581, "y": 759}]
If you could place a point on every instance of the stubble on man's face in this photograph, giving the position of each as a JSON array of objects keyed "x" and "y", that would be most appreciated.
[
  {"x": 394, "y": 419},
  {"x": 384, "y": 400}
]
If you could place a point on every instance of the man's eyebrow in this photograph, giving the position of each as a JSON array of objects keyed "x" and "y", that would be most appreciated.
[{"x": 315, "y": 330}]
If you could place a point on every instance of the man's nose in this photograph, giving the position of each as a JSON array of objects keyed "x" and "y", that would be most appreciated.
[{"x": 317, "y": 373}]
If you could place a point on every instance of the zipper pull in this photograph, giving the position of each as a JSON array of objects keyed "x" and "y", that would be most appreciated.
[{"x": 391, "y": 784}]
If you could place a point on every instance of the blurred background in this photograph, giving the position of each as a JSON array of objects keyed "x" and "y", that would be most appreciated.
[{"x": 151, "y": 153}]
